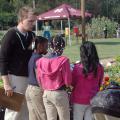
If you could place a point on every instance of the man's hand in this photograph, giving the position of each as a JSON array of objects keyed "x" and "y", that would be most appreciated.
[
  {"x": 9, "y": 93},
  {"x": 7, "y": 86}
]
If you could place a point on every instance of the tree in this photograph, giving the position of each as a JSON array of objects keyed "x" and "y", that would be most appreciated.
[{"x": 107, "y": 8}]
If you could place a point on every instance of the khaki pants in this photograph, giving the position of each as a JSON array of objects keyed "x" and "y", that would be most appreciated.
[
  {"x": 101, "y": 116},
  {"x": 81, "y": 111},
  {"x": 20, "y": 85},
  {"x": 35, "y": 103},
  {"x": 56, "y": 103}
]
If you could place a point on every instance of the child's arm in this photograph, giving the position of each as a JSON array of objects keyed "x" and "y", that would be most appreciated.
[
  {"x": 66, "y": 73},
  {"x": 39, "y": 82},
  {"x": 37, "y": 72}
]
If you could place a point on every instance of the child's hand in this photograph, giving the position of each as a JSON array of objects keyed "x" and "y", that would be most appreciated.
[{"x": 69, "y": 88}]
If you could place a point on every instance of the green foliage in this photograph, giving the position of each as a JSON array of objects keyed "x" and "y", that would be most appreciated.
[
  {"x": 114, "y": 71},
  {"x": 7, "y": 20},
  {"x": 6, "y": 7},
  {"x": 117, "y": 59},
  {"x": 95, "y": 29},
  {"x": 1, "y": 83},
  {"x": 108, "y": 8}
]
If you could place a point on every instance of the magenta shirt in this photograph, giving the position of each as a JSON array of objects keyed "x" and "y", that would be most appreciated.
[
  {"x": 85, "y": 87},
  {"x": 53, "y": 73}
]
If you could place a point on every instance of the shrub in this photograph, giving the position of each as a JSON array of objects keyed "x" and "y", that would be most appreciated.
[
  {"x": 95, "y": 28},
  {"x": 112, "y": 74},
  {"x": 117, "y": 59}
]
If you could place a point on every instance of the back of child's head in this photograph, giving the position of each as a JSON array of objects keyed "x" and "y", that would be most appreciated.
[
  {"x": 89, "y": 57},
  {"x": 57, "y": 44},
  {"x": 39, "y": 40}
]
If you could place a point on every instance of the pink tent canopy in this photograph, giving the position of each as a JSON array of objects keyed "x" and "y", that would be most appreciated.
[{"x": 63, "y": 11}]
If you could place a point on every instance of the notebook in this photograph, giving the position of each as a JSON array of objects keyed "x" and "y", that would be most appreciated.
[{"x": 13, "y": 103}]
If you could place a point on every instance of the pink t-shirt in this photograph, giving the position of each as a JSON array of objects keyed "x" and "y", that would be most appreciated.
[
  {"x": 53, "y": 73},
  {"x": 85, "y": 87}
]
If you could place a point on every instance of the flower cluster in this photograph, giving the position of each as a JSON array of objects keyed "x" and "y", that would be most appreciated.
[
  {"x": 112, "y": 75},
  {"x": 105, "y": 83}
]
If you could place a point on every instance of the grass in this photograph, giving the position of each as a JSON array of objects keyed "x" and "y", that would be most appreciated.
[{"x": 107, "y": 48}]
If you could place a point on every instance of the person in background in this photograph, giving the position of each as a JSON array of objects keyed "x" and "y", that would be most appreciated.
[
  {"x": 14, "y": 56},
  {"x": 87, "y": 77},
  {"x": 34, "y": 93},
  {"x": 105, "y": 31},
  {"x": 54, "y": 74},
  {"x": 46, "y": 30}
]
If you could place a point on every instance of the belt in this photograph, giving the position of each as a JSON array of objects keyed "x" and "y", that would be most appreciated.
[
  {"x": 62, "y": 88},
  {"x": 34, "y": 85}
]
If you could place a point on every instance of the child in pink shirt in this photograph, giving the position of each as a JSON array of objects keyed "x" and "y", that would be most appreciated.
[
  {"x": 87, "y": 77},
  {"x": 54, "y": 74}
]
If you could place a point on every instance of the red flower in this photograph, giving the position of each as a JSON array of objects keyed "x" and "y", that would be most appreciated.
[{"x": 106, "y": 78}]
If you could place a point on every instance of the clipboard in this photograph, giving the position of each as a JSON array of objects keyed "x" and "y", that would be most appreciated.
[{"x": 14, "y": 102}]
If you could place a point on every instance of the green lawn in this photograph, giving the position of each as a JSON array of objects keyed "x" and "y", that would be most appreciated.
[{"x": 107, "y": 48}]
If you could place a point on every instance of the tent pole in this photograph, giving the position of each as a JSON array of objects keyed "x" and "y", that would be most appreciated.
[
  {"x": 83, "y": 20},
  {"x": 36, "y": 27},
  {"x": 61, "y": 27},
  {"x": 69, "y": 31}
]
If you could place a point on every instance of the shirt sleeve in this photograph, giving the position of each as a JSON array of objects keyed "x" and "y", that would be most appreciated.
[
  {"x": 66, "y": 73},
  {"x": 38, "y": 72},
  {"x": 6, "y": 51}
]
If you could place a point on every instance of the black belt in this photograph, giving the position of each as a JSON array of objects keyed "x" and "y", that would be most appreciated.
[
  {"x": 34, "y": 85},
  {"x": 62, "y": 88}
]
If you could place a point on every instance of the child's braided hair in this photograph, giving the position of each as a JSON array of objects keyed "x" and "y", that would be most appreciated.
[{"x": 57, "y": 44}]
